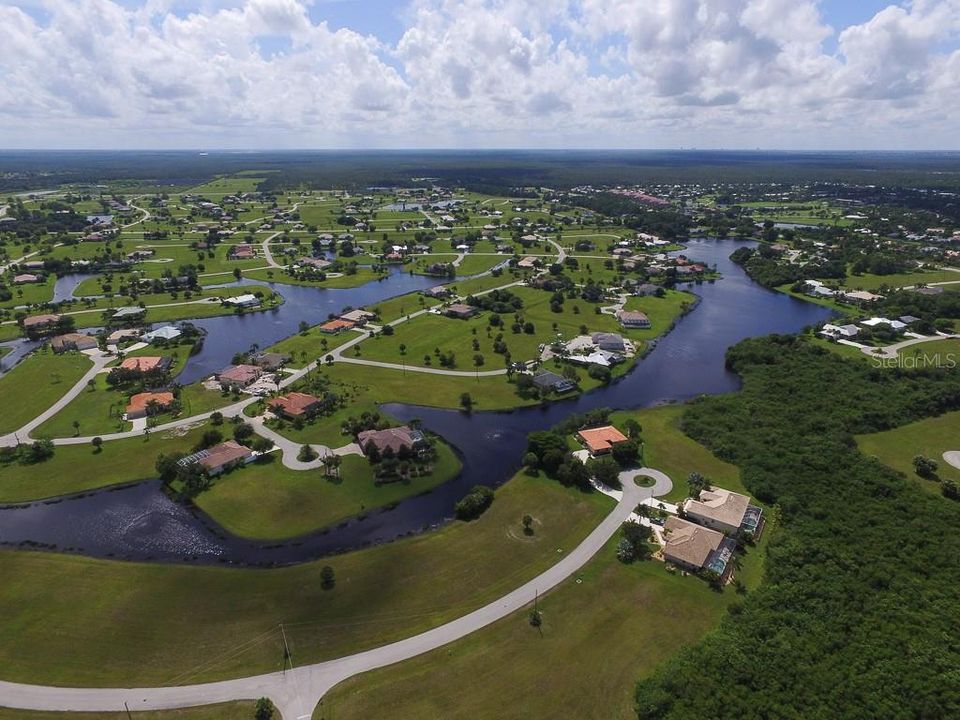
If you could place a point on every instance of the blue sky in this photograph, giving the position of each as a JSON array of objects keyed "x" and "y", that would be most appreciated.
[{"x": 800, "y": 74}]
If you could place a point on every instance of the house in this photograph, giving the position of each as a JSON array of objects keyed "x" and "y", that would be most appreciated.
[
  {"x": 611, "y": 342},
  {"x": 146, "y": 403},
  {"x": 440, "y": 291},
  {"x": 140, "y": 254},
  {"x": 240, "y": 376},
  {"x": 597, "y": 357},
  {"x": 395, "y": 440},
  {"x": 840, "y": 331},
  {"x": 697, "y": 548},
  {"x": 909, "y": 319},
  {"x": 724, "y": 511},
  {"x": 460, "y": 311},
  {"x": 358, "y": 317},
  {"x": 128, "y": 313},
  {"x": 220, "y": 457},
  {"x": 336, "y": 326},
  {"x": 122, "y": 334},
  {"x": 270, "y": 361},
  {"x": 862, "y": 296},
  {"x": 167, "y": 332},
  {"x": 26, "y": 278},
  {"x": 295, "y": 404},
  {"x": 527, "y": 262},
  {"x": 547, "y": 381},
  {"x": 73, "y": 341},
  {"x": 37, "y": 323},
  {"x": 928, "y": 290},
  {"x": 602, "y": 439},
  {"x": 243, "y": 301},
  {"x": 241, "y": 252},
  {"x": 645, "y": 289},
  {"x": 876, "y": 321},
  {"x": 316, "y": 263},
  {"x": 633, "y": 319},
  {"x": 146, "y": 364}
]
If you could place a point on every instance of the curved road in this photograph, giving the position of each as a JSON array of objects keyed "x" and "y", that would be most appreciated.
[{"x": 297, "y": 692}]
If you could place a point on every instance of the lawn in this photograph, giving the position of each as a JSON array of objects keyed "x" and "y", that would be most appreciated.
[
  {"x": 667, "y": 448},
  {"x": 936, "y": 353},
  {"x": 98, "y": 411},
  {"x": 36, "y": 383},
  {"x": 930, "y": 437},
  {"x": 31, "y": 293},
  {"x": 304, "y": 348},
  {"x": 872, "y": 282},
  {"x": 601, "y": 631},
  {"x": 239, "y": 710},
  {"x": 232, "y": 615},
  {"x": 268, "y": 501},
  {"x": 76, "y": 468}
]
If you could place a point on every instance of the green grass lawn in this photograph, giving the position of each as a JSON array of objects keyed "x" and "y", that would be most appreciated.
[
  {"x": 277, "y": 275},
  {"x": 667, "y": 448},
  {"x": 939, "y": 353},
  {"x": 98, "y": 412},
  {"x": 601, "y": 630},
  {"x": 30, "y": 293},
  {"x": 75, "y": 468},
  {"x": 239, "y": 710},
  {"x": 36, "y": 383},
  {"x": 267, "y": 501},
  {"x": 304, "y": 348},
  {"x": 395, "y": 308},
  {"x": 231, "y": 615},
  {"x": 930, "y": 437},
  {"x": 872, "y": 282}
]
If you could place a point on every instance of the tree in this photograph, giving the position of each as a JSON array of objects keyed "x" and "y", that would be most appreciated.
[
  {"x": 605, "y": 471},
  {"x": 633, "y": 428},
  {"x": 306, "y": 454},
  {"x": 475, "y": 503},
  {"x": 925, "y": 467},
  {"x": 626, "y": 453},
  {"x": 216, "y": 418},
  {"x": 328, "y": 578},
  {"x": 76, "y": 427},
  {"x": 530, "y": 461},
  {"x": 97, "y": 443},
  {"x": 466, "y": 402},
  {"x": 263, "y": 709},
  {"x": 527, "y": 524},
  {"x": 697, "y": 483}
]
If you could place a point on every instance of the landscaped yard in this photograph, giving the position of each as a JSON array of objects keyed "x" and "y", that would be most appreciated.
[
  {"x": 36, "y": 383},
  {"x": 98, "y": 411},
  {"x": 382, "y": 594},
  {"x": 930, "y": 438},
  {"x": 265, "y": 500}
]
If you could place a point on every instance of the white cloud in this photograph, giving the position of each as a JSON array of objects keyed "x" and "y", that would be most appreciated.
[{"x": 478, "y": 73}]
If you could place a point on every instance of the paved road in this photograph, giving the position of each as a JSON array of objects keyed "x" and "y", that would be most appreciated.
[
  {"x": 297, "y": 691},
  {"x": 891, "y": 351},
  {"x": 290, "y": 449}
]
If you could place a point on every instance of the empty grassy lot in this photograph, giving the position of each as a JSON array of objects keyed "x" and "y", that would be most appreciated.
[
  {"x": 872, "y": 282},
  {"x": 268, "y": 501},
  {"x": 601, "y": 631},
  {"x": 930, "y": 437},
  {"x": 231, "y": 616},
  {"x": 36, "y": 383},
  {"x": 76, "y": 468},
  {"x": 240, "y": 710}
]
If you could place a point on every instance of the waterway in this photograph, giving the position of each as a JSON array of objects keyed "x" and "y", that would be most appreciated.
[{"x": 139, "y": 522}]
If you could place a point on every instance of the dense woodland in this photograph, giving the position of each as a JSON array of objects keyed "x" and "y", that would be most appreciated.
[{"x": 857, "y": 617}]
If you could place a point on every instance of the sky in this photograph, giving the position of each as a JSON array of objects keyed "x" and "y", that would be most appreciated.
[{"x": 289, "y": 74}]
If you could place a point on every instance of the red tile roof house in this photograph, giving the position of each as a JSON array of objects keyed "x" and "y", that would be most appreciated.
[
  {"x": 239, "y": 376},
  {"x": 26, "y": 278},
  {"x": 392, "y": 439},
  {"x": 140, "y": 404},
  {"x": 633, "y": 319},
  {"x": 146, "y": 364},
  {"x": 336, "y": 326},
  {"x": 460, "y": 310},
  {"x": 602, "y": 439},
  {"x": 221, "y": 457},
  {"x": 39, "y": 324},
  {"x": 295, "y": 404},
  {"x": 242, "y": 252}
]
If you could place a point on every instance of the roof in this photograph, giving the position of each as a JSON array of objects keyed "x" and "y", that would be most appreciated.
[
  {"x": 294, "y": 403},
  {"x": 608, "y": 339},
  {"x": 246, "y": 299},
  {"x": 76, "y": 339},
  {"x": 460, "y": 309},
  {"x": 552, "y": 381},
  {"x": 46, "y": 319},
  {"x": 719, "y": 505},
  {"x": 601, "y": 439},
  {"x": 336, "y": 324},
  {"x": 393, "y": 438},
  {"x": 129, "y": 312},
  {"x": 167, "y": 332},
  {"x": 688, "y": 542},
  {"x": 358, "y": 316},
  {"x": 141, "y": 400},
  {"x": 633, "y": 317},
  {"x": 240, "y": 373},
  {"x": 222, "y": 454},
  {"x": 144, "y": 363}
]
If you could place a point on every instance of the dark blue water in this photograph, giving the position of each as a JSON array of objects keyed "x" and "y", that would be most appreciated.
[{"x": 141, "y": 523}]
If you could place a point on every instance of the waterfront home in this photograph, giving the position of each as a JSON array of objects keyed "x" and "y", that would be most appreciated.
[
  {"x": 220, "y": 457},
  {"x": 240, "y": 376},
  {"x": 392, "y": 440},
  {"x": 695, "y": 548},
  {"x": 295, "y": 404},
  {"x": 148, "y": 403},
  {"x": 633, "y": 319},
  {"x": 723, "y": 510},
  {"x": 601, "y": 440}
]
